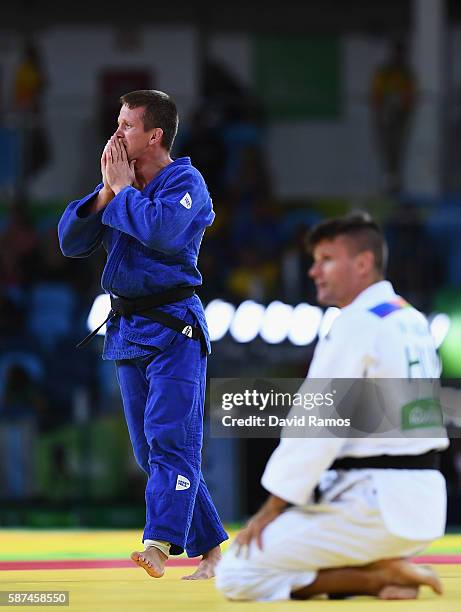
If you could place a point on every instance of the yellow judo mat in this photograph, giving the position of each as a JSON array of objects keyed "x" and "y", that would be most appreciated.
[{"x": 94, "y": 567}]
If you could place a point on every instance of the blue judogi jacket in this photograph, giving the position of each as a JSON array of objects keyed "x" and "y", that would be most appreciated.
[{"x": 152, "y": 239}]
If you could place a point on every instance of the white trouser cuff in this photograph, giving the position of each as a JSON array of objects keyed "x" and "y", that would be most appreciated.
[{"x": 163, "y": 547}]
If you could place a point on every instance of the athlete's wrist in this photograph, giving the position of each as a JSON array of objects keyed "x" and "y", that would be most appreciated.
[{"x": 275, "y": 504}]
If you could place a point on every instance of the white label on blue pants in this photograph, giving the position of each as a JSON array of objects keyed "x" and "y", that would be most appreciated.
[{"x": 182, "y": 483}]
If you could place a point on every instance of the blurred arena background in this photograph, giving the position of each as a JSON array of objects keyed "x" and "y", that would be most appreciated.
[{"x": 279, "y": 110}]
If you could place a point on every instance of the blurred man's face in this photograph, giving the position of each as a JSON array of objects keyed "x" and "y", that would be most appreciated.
[
  {"x": 131, "y": 131},
  {"x": 337, "y": 272}
]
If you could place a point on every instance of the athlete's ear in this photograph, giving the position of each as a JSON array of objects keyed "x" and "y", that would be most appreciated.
[
  {"x": 156, "y": 136},
  {"x": 365, "y": 262}
]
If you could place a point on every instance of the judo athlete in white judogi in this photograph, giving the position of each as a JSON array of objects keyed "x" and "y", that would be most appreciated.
[{"x": 356, "y": 535}]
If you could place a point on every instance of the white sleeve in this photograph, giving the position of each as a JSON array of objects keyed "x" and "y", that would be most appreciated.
[{"x": 296, "y": 465}]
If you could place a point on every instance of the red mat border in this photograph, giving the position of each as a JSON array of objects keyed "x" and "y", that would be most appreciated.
[{"x": 126, "y": 563}]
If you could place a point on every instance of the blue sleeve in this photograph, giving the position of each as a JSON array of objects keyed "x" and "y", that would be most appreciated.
[
  {"x": 80, "y": 236},
  {"x": 170, "y": 220}
]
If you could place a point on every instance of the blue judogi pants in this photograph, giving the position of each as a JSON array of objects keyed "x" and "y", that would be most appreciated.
[{"x": 163, "y": 398}]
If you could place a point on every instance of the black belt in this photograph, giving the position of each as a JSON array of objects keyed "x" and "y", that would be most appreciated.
[
  {"x": 146, "y": 306},
  {"x": 427, "y": 461}
]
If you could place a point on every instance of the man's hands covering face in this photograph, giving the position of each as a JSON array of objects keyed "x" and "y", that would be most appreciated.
[
  {"x": 117, "y": 170},
  {"x": 104, "y": 158}
]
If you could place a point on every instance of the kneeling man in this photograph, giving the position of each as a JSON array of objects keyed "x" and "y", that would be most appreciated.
[{"x": 345, "y": 514}]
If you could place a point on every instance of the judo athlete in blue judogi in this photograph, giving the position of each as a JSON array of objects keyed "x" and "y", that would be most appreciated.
[{"x": 150, "y": 213}]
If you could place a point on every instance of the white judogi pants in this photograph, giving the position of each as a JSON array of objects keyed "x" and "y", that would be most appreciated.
[{"x": 347, "y": 531}]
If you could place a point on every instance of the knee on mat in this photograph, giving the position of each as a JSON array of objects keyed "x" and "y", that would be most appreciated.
[
  {"x": 229, "y": 583},
  {"x": 234, "y": 582}
]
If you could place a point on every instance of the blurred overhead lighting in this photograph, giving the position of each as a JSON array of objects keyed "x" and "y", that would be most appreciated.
[
  {"x": 439, "y": 326},
  {"x": 305, "y": 324},
  {"x": 99, "y": 311},
  {"x": 247, "y": 321},
  {"x": 219, "y": 315},
  {"x": 276, "y": 322}
]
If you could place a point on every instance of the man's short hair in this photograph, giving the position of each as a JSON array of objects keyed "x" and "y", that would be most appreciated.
[
  {"x": 160, "y": 112},
  {"x": 363, "y": 232}
]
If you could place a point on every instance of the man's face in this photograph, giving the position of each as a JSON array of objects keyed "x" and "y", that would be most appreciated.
[
  {"x": 336, "y": 272},
  {"x": 131, "y": 131}
]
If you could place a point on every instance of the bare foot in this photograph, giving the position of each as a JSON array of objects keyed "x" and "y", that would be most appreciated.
[
  {"x": 207, "y": 566},
  {"x": 152, "y": 560},
  {"x": 400, "y": 579}
]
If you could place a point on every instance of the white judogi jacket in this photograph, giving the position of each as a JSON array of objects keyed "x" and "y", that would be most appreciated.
[{"x": 391, "y": 341}]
